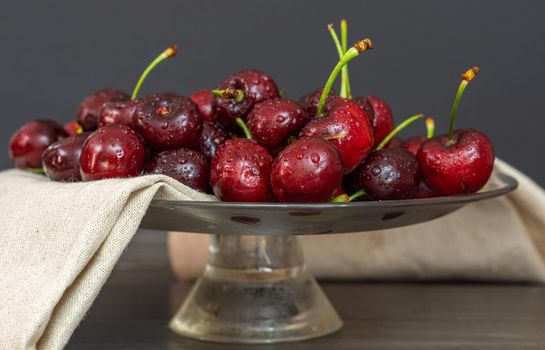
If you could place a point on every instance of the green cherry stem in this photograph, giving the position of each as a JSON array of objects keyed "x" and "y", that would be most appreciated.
[
  {"x": 356, "y": 195},
  {"x": 344, "y": 40},
  {"x": 430, "y": 128},
  {"x": 340, "y": 52},
  {"x": 244, "y": 128},
  {"x": 356, "y": 50},
  {"x": 343, "y": 198},
  {"x": 229, "y": 94},
  {"x": 169, "y": 52},
  {"x": 397, "y": 129},
  {"x": 35, "y": 170},
  {"x": 468, "y": 76}
]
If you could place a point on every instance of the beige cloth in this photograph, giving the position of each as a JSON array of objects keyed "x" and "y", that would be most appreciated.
[
  {"x": 501, "y": 239},
  {"x": 58, "y": 245}
]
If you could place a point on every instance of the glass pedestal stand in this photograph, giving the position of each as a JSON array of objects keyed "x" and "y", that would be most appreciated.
[{"x": 256, "y": 289}]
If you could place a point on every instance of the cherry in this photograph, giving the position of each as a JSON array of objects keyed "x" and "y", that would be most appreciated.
[
  {"x": 273, "y": 122},
  {"x": 380, "y": 116},
  {"x": 187, "y": 166},
  {"x": 348, "y": 129},
  {"x": 240, "y": 172},
  {"x": 122, "y": 111},
  {"x": 461, "y": 161},
  {"x": 87, "y": 114},
  {"x": 307, "y": 170},
  {"x": 61, "y": 160},
  {"x": 168, "y": 122},
  {"x": 29, "y": 141},
  {"x": 205, "y": 101},
  {"x": 212, "y": 136},
  {"x": 390, "y": 173},
  {"x": 238, "y": 93},
  {"x": 113, "y": 151},
  {"x": 310, "y": 102},
  {"x": 73, "y": 128}
]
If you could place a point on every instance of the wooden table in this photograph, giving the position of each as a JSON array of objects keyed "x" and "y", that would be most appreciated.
[{"x": 135, "y": 306}]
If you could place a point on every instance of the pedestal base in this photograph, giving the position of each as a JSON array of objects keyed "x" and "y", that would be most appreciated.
[{"x": 256, "y": 289}]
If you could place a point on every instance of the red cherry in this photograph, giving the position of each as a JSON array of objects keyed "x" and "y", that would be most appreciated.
[
  {"x": 29, "y": 141},
  {"x": 187, "y": 166},
  {"x": 87, "y": 114},
  {"x": 310, "y": 101},
  {"x": 212, "y": 136},
  {"x": 307, "y": 170},
  {"x": 116, "y": 112},
  {"x": 168, "y": 122},
  {"x": 380, "y": 115},
  {"x": 205, "y": 101},
  {"x": 237, "y": 95},
  {"x": 240, "y": 172},
  {"x": 461, "y": 161},
  {"x": 272, "y": 122},
  {"x": 413, "y": 144},
  {"x": 348, "y": 128},
  {"x": 61, "y": 160},
  {"x": 114, "y": 151},
  {"x": 461, "y": 165}
]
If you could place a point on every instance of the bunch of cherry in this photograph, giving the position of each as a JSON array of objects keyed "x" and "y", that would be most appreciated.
[{"x": 245, "y": 142}]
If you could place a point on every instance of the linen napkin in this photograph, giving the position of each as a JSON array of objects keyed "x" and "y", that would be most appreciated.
[
  {"x": 501, "y": 239},
  {"x": 58, "y": 244}
]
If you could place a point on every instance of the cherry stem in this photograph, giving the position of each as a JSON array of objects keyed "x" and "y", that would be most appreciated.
[
  {"x": 244, "y": 128},
  {"x": 356, "y": 50},
  {"x": 229, "y": 94},
  {"x": 169, "y": 52},
  {"x": 397, "y": 129},
  {"x": 344, "y": 198},
  {"x": 344, "y": 40},
  {"x": 468, "y": 76},
  {"x": 430, "y": 127},
  {"x": 356, "y": 195},
  {"x": 35, "y": 170},
  {"x": 340, "y": 52}
]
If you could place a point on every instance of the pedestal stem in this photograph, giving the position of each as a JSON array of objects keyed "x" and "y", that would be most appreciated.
[{"x": 255, "y": 289}]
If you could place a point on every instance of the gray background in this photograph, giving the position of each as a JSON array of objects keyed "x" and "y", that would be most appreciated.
[{"x": 56, "y": 52}]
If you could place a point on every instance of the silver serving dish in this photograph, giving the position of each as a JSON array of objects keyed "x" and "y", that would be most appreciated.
[{"x": 256, "y": 287}]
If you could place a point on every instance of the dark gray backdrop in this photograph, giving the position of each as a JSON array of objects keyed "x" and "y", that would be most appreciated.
[{"x": 56, "y": 52}]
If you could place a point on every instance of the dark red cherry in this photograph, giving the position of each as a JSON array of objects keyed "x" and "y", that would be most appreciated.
[
  {"x": 380, "y": 115},
  {"x": 424, "y": 191},
  {"x": 113, "y": 151},
  {"x": 310, "y": 101},
  {"x": 205, "y": 102},
  {"x": 116, "y": 112},
  {"x": 461, "y": 165},
  {"x": 390, "y": 173},
  {"x": 273, "y": 122},
  {"x": 394, "y": 143},
  {"x": 87, "y": 114},
  {"x": 29, "y": 142},
  {"x": 168, "y": 122},
  {"x": 255, "y": 86},
  {"x": 212, "y": 136},
  {"x": 307, "y": 170},
  {"x": 347, "y": 127},
  {"x": 61, "y": 160},
  {"x": 187, "y": 166},
  {"x": 240, "y": 172}
]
